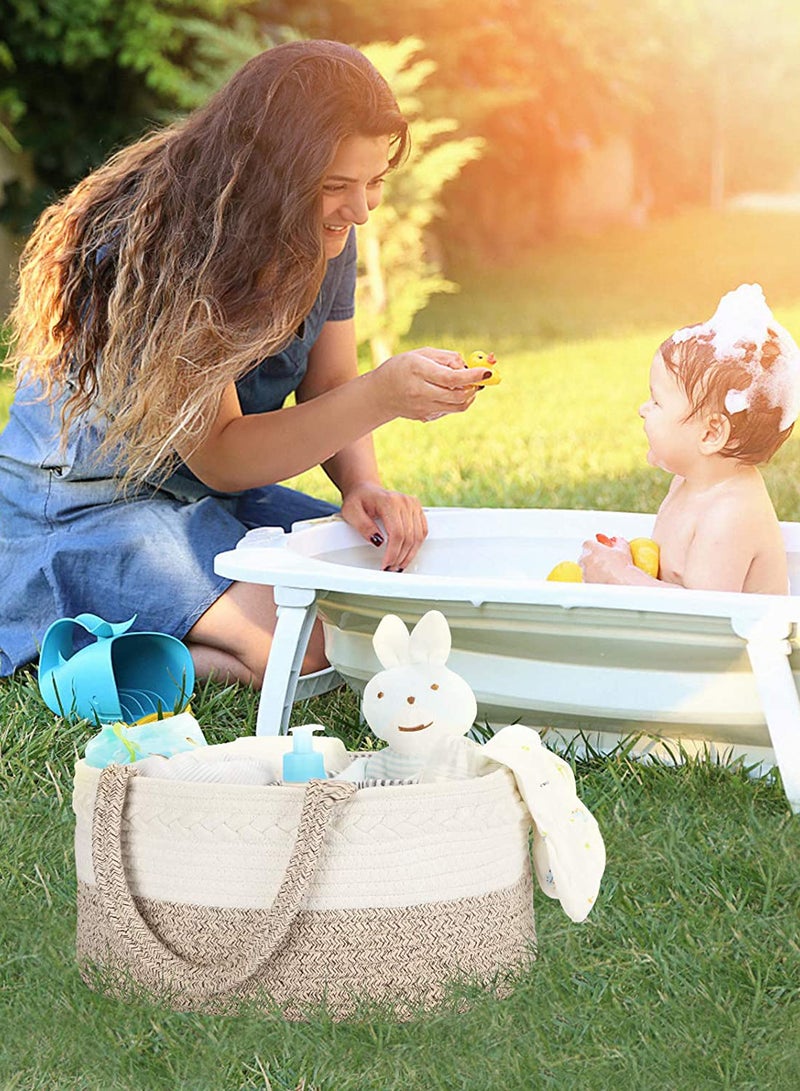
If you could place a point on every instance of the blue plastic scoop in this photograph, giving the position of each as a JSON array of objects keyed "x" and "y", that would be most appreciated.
[{"x": 121, "y": 676}]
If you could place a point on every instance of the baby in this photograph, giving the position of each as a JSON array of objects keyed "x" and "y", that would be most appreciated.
[{"x": 724, "y": 396}]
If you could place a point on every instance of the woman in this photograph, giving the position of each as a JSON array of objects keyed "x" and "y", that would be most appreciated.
[{"x": 167, "y": 308}]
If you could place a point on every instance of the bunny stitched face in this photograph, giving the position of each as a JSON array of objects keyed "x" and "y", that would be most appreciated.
[{"x": 416, "y": 702}]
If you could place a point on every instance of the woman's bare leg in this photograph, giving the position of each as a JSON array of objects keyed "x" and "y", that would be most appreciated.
[{"x": 233, "y": 638}]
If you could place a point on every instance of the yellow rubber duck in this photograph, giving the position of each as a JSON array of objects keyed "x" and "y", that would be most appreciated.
[
  {"x": 487, "y": 360},
  {"x": 646, "y": 555},
  {"x": 567, "y": 572},
  {"x": 644, "y": 551}
]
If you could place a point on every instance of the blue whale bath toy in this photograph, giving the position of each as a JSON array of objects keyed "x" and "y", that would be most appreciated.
[{"x": 119, "y": 677}]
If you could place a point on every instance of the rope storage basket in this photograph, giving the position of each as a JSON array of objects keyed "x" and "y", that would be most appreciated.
[{"x": 208, "y": 894}]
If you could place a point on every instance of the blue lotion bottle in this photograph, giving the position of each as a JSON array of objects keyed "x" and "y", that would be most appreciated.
[{"x": 303, "y": 762}]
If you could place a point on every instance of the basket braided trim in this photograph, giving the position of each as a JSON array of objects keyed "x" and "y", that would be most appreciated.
[
  {"x": 150, "y": 961},
  {"x": 226, "y": 845},
  {"x": 402, "y": 956}
]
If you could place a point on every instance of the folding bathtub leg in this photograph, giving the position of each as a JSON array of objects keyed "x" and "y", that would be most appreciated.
[
  {"x": 769, "y": 650},
  {"x": 297, "y": 612}
]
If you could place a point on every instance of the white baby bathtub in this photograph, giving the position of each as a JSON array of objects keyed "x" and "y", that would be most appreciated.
[{"x": 716, "y": 670}]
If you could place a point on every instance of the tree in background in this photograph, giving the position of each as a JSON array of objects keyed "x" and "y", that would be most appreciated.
[
  {"x": 79, "y": 79},
  {"x": 722, "y": 94},
  {"x": 397, "y": 274},
  {"x": 551, "y": 81},
  {"x": 706, "y": 91}
]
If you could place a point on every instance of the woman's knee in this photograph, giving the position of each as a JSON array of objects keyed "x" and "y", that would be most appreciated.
[
  {"x": 256, "y": 657},
  {"x": 315, "y": 658},
  {"x": 241, "y": 623}
]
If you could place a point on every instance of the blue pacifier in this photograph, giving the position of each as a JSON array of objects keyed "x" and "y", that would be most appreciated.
[{"x": 120, "y": 677}]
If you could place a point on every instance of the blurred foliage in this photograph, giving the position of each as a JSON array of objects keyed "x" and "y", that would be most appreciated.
[
  {"x": 722, "y": 96},
  {"x": 397, "y": 271},
  {"x": 705, "y": 92},
  {"x": 539, "y": 82},
  {"x": 80, "y": 78}
]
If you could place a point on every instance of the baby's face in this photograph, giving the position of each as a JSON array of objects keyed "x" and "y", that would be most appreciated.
[{"x": 671, "y": 432}]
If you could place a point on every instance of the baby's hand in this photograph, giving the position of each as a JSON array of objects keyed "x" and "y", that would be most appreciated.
[{"x": 606, "y": 561}]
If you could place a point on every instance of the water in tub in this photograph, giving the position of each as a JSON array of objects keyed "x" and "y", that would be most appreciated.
[{"x": 510, "y": 558}]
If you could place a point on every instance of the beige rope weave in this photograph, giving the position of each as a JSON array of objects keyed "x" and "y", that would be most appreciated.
[
  {"x": 405, "y": 960},
  {"x": 299, "y": 950},
  {"x": 152, "y": 963}
]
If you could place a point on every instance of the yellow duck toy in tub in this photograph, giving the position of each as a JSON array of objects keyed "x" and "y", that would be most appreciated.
[{"x": 645, "y": 553}]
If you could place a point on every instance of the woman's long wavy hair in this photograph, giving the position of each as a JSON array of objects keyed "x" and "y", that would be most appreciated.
[{"x": 170, "y": 271}]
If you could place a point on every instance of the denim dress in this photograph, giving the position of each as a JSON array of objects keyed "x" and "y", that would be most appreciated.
[{"x": 71, "y": 543}]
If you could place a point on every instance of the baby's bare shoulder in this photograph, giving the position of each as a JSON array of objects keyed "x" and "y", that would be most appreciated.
[{"x": 744, "y": 504}]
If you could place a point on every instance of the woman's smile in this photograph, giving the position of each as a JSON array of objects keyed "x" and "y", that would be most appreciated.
[{"x": 352, "y": 187}]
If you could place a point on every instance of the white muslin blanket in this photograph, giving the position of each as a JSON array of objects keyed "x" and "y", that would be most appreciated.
[{"x": 569, "y": 855}]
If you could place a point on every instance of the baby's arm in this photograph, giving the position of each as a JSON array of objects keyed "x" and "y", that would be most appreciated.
[
  {"x": 614, "y": 564},
  {"x": 722, "y": 548}
]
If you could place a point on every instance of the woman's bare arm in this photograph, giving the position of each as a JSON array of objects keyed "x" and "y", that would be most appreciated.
[
  {"x": 332, "y": 362},
  {"x": 248, "y": 450}
]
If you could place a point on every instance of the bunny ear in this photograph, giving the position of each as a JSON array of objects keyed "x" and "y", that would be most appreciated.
[
  {"x": 430, "y": 640},
  {"x": 391, "y": 641}
]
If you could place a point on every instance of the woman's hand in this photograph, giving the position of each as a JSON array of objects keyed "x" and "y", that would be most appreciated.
[
  {"x": 611, "y": 563},
  {"x": 427, "y": 383},
  {"x": 404, "y": 525}
]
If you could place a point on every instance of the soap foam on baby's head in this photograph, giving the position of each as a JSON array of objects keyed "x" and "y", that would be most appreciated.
[
  {"x": 744, "y": 365},
  {"x": 743, "y": 331}
]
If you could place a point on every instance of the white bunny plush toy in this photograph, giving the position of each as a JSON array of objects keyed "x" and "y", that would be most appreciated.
[
  {"x": 422, "y": 710},
  {"x": 415, "y": 704}
]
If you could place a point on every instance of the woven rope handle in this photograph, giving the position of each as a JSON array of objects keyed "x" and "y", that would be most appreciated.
[{"x": 149, "y": 960}]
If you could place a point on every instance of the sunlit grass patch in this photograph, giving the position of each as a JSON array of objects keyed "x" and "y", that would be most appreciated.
[{"x": 686, "y": 974}]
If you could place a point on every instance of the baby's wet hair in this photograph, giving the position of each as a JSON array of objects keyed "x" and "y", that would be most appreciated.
[{"x": 706, "y": 380}]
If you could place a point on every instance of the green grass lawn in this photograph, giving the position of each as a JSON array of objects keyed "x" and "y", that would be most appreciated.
[{"x": 687, "y": 973}]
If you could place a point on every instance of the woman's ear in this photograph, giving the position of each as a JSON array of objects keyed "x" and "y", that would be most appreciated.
[{"x": 716, "y": 434}]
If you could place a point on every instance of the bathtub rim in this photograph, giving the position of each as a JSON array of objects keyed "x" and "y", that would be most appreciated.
[{"x": 270, "y": 556}]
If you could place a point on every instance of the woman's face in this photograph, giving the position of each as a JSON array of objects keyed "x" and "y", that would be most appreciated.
[{"x": 352, "y": 187}]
